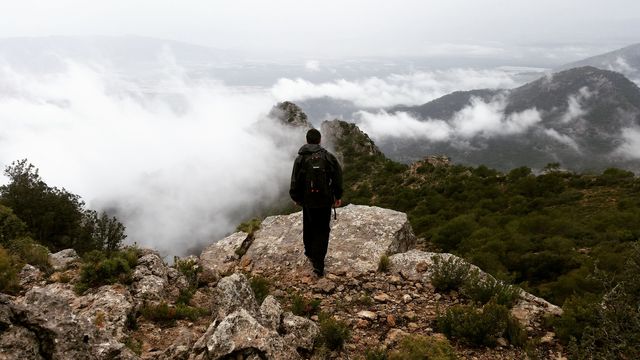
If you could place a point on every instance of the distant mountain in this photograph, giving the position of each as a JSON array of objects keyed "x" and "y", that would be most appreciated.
[
  {"x": 625, "y": 61},
  {"x": 582, "y": 115}
]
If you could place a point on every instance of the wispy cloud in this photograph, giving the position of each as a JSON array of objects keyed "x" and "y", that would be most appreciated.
[{"x": 395, "y": 89}]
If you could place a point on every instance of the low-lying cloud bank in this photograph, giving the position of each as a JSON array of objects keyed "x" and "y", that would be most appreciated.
[
  {"x": 182, "y": 164},
  {"x": 479, "y": 119},
  {"x": 395, "y": 89}
]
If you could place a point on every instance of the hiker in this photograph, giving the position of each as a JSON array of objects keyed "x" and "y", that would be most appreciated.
[{"x": 316, "y": 185}]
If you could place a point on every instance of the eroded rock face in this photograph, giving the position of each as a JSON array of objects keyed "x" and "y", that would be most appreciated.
[
  {"x": 358, "y": 238},
  {"x": 30, "y": 275},
  {"x": 107, "y": 308},
  {"x": 63, "y": 259},
  {"x": 220, "y": 257},
  {"x": 150, "y": 279},
  {"x": 231, "y": 294}
]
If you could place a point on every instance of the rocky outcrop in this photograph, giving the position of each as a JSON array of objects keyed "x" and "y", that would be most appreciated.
[
  {"x": 63, "y": 259},
  {"x": 359, "y": 237},
  {"x": 150, "y": 279},
  {"x": 241, "y": 328},
  {"x": 290, "y": 114}
]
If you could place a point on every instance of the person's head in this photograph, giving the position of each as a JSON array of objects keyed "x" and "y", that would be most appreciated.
[{"x": 313, "y": 136}]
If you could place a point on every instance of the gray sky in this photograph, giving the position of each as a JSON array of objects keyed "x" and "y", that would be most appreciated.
[{"x": 332, "y": 28}]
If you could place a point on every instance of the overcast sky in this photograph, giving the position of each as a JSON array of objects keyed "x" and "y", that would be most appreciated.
[{"x": 333, "y": 28}]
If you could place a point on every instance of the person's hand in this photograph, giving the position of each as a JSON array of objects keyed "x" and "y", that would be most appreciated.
[{"x": 337, "y": 203}]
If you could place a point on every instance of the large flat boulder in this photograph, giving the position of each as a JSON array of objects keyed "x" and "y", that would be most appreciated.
[{"x": 359, "y": 237}]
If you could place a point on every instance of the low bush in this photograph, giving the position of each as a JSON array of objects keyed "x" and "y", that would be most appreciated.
[
  {"x": 302, "y": 306},
  {"x": 29, "y": 251},
  {"x": 103, "y": 268},
  {"x": 480, "y": 327},
  {"x": 483, "y": 290},
  {"x": 250, "y": 226},
  {"x": 333, "y": 333},
  {"x": 189, "y": 268},
  {"x": 260, "y": 287},
  {"x": 8, "y": 273},
  {"x": 384, "y": 263},
  {"x": 167, "y": 315},
  {"x": 376, "y": 354},
  {"x": 417, "y": 347},
  {"x": 449, "y": 274}
]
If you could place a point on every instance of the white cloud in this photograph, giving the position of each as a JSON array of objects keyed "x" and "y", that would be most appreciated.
[
  {"x": 630, "y": 147},
  {"x": 479, "y": 119},
  {"x": 183, "y": 163},
  {"x": 312, "y": 65},
  {"x": 562, "y": 138},
  {"x": 575, "y": 106},
  {"x": 395, "y": 89}
]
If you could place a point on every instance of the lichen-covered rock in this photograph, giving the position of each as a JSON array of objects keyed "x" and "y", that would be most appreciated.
[
  {"x": 270, "y": 313},
  {"x": 241, "y": 331},
  {"x": 300, "y": 332},
  {"x": 360, "y": 236},
  {"x": 418, "y": 265},
  {"x": 29, "y": 275},
  {"x": 231, "y": 294},
  {"x": 19, "y": 343},
  {"x": 220, "y": 257},
  {"x": 46, "y": 313},
  {"x": 150, "y": 279},
  {"x": 107, "y": 308},
  {"x": 63, "y": 259}
]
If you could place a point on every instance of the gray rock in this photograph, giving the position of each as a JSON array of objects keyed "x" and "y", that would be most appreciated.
[
  {"x": 358, "y": 238},
  {"x": 29, "y": 275},
  {"x": 63, "y": 259},
  {"x": 300, "y": 332},
  {"x": 241, "y": 331},
  {"x": 19, "y": 343},
  {"x": 150, "y": 279},
  {"x": 220, "y": 257},
  {"x": 107, "y": 308},
  {"x": 270, "y": 313},
  {"x": 233, "y": 293}
]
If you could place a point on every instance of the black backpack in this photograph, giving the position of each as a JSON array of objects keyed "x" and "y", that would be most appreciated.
[{"x": 317, "y": 186}]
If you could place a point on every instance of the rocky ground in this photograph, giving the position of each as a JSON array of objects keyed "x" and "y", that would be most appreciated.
[{"x": 48, "y": 320}]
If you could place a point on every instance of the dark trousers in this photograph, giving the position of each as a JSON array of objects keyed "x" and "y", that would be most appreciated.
[{"x": 315, "y": 234}]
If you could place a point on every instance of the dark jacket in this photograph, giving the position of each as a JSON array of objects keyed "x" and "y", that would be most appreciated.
[{"x": 296, "y": 190}]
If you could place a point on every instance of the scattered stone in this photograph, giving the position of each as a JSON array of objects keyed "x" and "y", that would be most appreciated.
[
  {"x": 406, "y": 298},
  {"x": 368, "y": 315},
  {"x": 391, "y": 320},
  {"x": 382, "y": 298},
  {"x": 548, "y": 338},
  {"x": 325, "y": 285}
]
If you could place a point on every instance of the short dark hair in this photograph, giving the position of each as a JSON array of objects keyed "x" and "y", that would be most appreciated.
[{"x": 313, "y": 136}]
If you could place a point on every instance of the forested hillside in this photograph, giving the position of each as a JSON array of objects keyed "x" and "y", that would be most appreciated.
[{"x": 564, "y": 236}]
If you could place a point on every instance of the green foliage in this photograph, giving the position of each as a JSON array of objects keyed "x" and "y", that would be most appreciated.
[
  {"x": 250, "y": 226},
  {"x": 134, "y": 345},
  {"x": 480, "y": 327},
  {"x": 303, "y": 306},
  {"x": 260, "y": 287},
  {"x": 482, "y": 290},
  {"x": 55, "y": 217},
  {"x": 11, "y": 226},
  {"x": 418, "y": 347},
  {"x": 189, "y": 268},
  {"x": 167, "y": 315},
  {"x": 449, "y": 274},
  {"x": 333, "y": 333},
  {"x": 8, "y": 273},
  {"x": 30, "y": 252},
  {"x": 102, "y": 268},
  {"x": 384, "y": 263},
  {"x": 376, "y": 354}
]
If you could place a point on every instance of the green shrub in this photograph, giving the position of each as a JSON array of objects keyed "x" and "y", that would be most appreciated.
[
  {"x": 376, "y": 354},
  {"x": 30, "y": 252},
  {"x": 260, "y": 287},
  {"x": 449, "y": 274},
  {"x": 333, "y": 333},
  {"x": 11, "y": 226},
  {"x": 384, "y": 263},
  {"x": 102, "y": 268},
  {"x": 302, "y": 306},
  {"x": 185, "y": 295},
  {"x": 167, "y": 315},
  {"x": 483, "y": 290},
  {"x": 250, "y": 226},
  {"x": 189, "y": 268},
  {"x": 134, "y": 345},
  {"x": 417, "y": 347},
  {"x": 480, "y": 327},
  {"x": 8, "y": 274}
]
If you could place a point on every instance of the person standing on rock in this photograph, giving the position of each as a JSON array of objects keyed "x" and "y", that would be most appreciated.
[{"x": 316, "y": 185}]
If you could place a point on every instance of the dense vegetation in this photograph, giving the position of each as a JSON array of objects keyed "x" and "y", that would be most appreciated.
[
  {"x": 36, "y": 218},
  {"x": 549, "y": 233}
]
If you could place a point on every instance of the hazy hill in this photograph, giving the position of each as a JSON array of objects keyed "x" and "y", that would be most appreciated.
[
  {"x": 625, "y": 61},
  {"x": 584, "y": 114}
]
